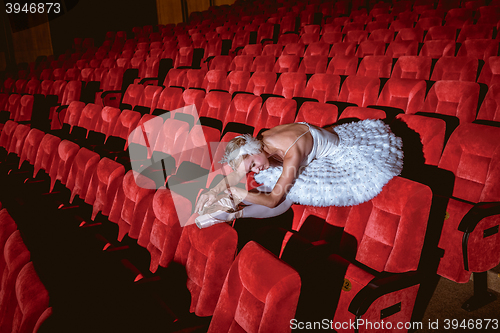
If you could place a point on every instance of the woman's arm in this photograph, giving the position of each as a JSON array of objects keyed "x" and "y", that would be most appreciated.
[
  {"x": 210, "y": 197},
  {"x": 291, "y": 166}
]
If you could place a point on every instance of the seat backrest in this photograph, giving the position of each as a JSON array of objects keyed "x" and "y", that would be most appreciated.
[
  {"x": 317, "y": 113},
  {"x": 343, "y": 65},
  {"x": 406, "y": 94},
  {"x": 473, "y": 153},
  {"x": 162, "y": 236},
  {"x": 490, "y": 73},
  {"x": 194, "y": 78},
  {"x": 430, "y": 132},
  {"x": 150, "y": 97},
  {"x": 401, "y": 48},
  {"x": 275, "y": 111},
  {"x": 7, "y": 227},
  {"x": 126, "y": 123},
  {"x": 47, "y": 150},
  {"x": 490, "y": 108},
  {"x": 455, "y": 68},
  {"x": 170, "y": 99},
  {"x": 107, "y": 119},
  {"x": 269, "y": 297},
  {"x": 479, "y": 48},
  {"x": 375, "y": 66},
  {"x": 18, "y": 138},
  {"x": 106, "y": 179},
  {"x": 263, "y": 64},
  {"x": 453, "y": 98},
  {"x": 24, "y": 109},
  {"x": 313, "y": 64},
  {"x": 323, "y": 87},
  {"x": 412, "y": 67},
  {"x": 290, "y": 85},
  {"x": 81, "y": 171},
  {"x": 215, "y": 79},
  {"x": 361, "y": 113},
  {"x": 261, "y": 83},
  {"x": 237, "y": 81},
  {"x": 241, "y": 63},
  {"x": 16, "y": 256},
  {"x": 242, "y": 108},
  {"x": 286, "y": 63},
  {"x": 32, "y": 299},
  {"x": 387, "y": 233},
  {"x": 360, "y": 90},
  {"x": 133, "y": 95},
  {"x": 438, "y": 48},
  {"x": 90, "y": 116},
  {"x": 30, "y": 147}
]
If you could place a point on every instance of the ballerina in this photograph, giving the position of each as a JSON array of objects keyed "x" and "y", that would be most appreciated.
[{"x": 341, "y": 165}]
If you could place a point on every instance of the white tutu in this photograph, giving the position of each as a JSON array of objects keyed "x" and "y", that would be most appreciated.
[{"x": 367, "y": 156}]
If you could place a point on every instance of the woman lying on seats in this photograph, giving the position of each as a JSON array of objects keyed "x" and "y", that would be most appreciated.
[{"x": 341, "y": 165}]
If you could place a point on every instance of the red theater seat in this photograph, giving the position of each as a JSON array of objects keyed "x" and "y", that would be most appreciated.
[
  {"x": 317, "y": 113},
  {"x": 343, "y": 65},
  {"x": 490, "y": 71},
  {"x": 478, "y": 48},
  {"x": 405, "y": 94},
  {"x": 455, "y": 68},
  {"x": 271, "y": 296},
  {"x": 362, "y": 113},
  {"x": 275, "y": 111},
  {"x": 402, "y": 48},
  {"x": 375, "y": 66},
  {"x": 261, "y": 83},
  {"x": 290, "y": 85},
  {"x": 453, "y": 98},
  {"x": 490, "y": 108},
  {"x": 207, "y": 255},
  {"x": 412, "y": 67},
  {"x": 360, "y": 90}
]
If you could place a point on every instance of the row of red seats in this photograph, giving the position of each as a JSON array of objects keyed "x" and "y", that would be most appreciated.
[{"x": 24, "y": 301}]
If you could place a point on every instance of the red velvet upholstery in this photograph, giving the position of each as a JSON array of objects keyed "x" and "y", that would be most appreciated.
[
  {"x": 237, "y": 81},
  {"x": 370, "y": 48},
  {"x": 63, "y": 160},
  {"x": 252, "y": 49},
  {"x": 150, "y": 96},
  {"x": 126, "y": 123},
  {"x": 170, "y": 139},
  {"x": 410, "y": 34},
  {"x": 32, "y": 300},
  {"x": 343, "y": 65},
  {"x": 318, "y": 48},
  {"x": 221, "y": 62},
  {"x": 454, "y": 98},
  {"x": 261, "y": 83},
  {"x": 438, "y": 48},
  {"x": 7, "y": 133},
  {"x": 412, "y": 67},
  {"x": 163, "y": 226},
  {"x": 184, "y": 57},
  {"x": 12, "y": 104},
  {"x": 441, "y": 32},
  {"x": 382, "y": 35},
  {"x": 360, "y": 90},
  {"x": 243, "y": 105},
  {"x": 133, "y": 95},
  {"x": 263, "y": 64},
  {"x": 290, "y": 85},
  {"x": 16, "y": 256},
  {"x": 490, "y": 108},
  {"x": 106, "y": 122},
  {"x": 112, "y": 80},
  {"x": 428, "y": 22},
  {"x": 375, "y": 66},
  {"x": 260, "y": 294},
  {"x": 323, "y": 87},
  {"x": 319, "y": 114},
  {"x": 478, "y": 48},
  {"x": 331, "y": 37},
  {"x": 80, "y": 173},
  {"x": 472, "y": 154},
  {"x": 402, "y": 48},
  {"x": 148, "y": 127},
  {"x": 431, "y": 131},
  {"x": 490, "y": 71},
  {"x": 406, "y": 94},
  {"x": 275, "y": 111},
  {"x": 272, "y": 49},
  {"x": 215, "y": 79},
  {"x": 170, "y": 99},
  {"x": 455, "y": 68},
  {"x": 71, "y": 93},
  {"x": 7, "y": 227},
  {"x": 175, "y": 77},
  {"x": 207, "y": 255},
  {"x": 90, "y": 116},
  {"x": 30, "y": 148},
  {"x": 104, "y": 184},
  {"x": 356, "y": 36},
  {"x": 194, "y": 78},
  {"x": 362, "y": 113},
  {"x": 24, "y": 109},
  {"x": 18, "y": 138},
  {"x": 296, "y": 49},
  {"x": 342, "y": 48},
  {"x": 47, "y": 150},
  {"x": 241, "y": 63},
  {"x": 286, "y": 63},
  {"x": 313, "y": 64},
  {"x": 475, "y": 31}
]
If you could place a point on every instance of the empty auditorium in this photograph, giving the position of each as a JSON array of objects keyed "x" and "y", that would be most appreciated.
[{"x": 256, "y": 166}]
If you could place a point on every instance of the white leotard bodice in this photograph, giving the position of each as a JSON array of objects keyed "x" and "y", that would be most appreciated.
[{"x": 324, "y": 143}]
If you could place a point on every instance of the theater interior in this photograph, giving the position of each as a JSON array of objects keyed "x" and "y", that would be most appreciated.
[{"x": 114, "y": 116}]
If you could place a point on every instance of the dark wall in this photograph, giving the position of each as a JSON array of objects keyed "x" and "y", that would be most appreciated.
[{"x": 93, "y": 18}]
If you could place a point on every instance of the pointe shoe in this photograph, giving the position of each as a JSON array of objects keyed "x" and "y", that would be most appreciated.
[{"x": 208, "y": 220}]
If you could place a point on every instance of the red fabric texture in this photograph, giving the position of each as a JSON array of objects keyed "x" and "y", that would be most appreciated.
[
  {"x": 18, "y": 138},
  {"x": 207, "y": 255},
  {"x": 31, "y": 145},
  {"x": 362, "y": 91},
  {"x": 62, "y": 161},
  {"x": 80, "y": 173},
  {"x": 319, "y": 114},
  {"x": 323, "y": 87},
  {"x": 90, "y": 116},
  {"x": 412, "y": 67},
  {"x": 32, "y": 300},
  {"x": 16, "y": 257},
  {"x": 362, "y": 113},
  {"x": 455, "y": 68},
  {"x": 406, "y": 94},
  {"x": 7, "y": 227},
  {"x": 260, "y": 294},
  {"x": 163, "y": 226}
]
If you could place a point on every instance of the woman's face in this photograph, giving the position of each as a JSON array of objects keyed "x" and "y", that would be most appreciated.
[{"x": 256, "y": 163}]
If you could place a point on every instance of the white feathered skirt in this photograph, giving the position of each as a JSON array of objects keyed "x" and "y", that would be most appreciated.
[{"x": 368, "y": 155}]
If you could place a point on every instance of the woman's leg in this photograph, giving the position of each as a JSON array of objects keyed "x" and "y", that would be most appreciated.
[{"x": 258, "y": 211}]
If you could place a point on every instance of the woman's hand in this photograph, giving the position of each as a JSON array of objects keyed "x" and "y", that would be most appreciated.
[
  {"x": 206, "y": 199},
  {"x": 237, "y": 193}
]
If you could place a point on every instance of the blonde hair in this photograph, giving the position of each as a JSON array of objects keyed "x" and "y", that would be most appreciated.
[{"x": 240, "y": 148}]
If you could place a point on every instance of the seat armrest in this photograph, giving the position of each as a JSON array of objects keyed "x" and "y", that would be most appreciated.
[{"x": 476, "y": 214}]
